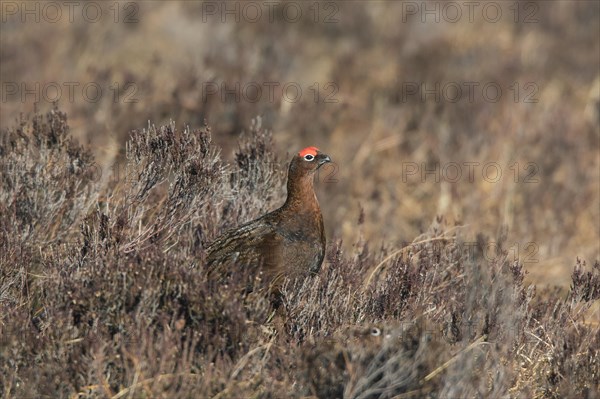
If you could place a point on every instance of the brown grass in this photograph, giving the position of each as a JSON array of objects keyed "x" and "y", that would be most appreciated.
[
  {"x": 482, "y": 289},
  {"x": 104, "y": 291}
]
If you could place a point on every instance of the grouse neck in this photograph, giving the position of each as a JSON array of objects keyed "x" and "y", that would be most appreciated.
[{"x": 301, "y": 194}]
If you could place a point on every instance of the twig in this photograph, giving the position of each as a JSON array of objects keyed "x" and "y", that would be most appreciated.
[
  {"x": 398, "y": 251},
  {"x": 452, "y": 360},
  {"x": 125, "y": 391}
]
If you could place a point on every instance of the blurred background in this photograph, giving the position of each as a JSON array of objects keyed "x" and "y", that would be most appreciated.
[{"x": 484, "y": 113}]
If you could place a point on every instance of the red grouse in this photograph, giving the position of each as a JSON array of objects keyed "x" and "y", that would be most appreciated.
[{"x": 288, "y": 242}]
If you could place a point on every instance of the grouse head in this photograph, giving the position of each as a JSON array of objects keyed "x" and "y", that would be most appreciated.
[
  {"x": 306, "y": 162},
  {"x": 301, "y": 174}
]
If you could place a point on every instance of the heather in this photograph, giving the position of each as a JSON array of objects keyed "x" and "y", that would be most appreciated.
[
  {"x": 104, "y": 290},
  {"x": 463, "y": 226}
]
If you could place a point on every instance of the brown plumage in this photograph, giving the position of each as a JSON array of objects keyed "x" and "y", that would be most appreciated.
[{"x": 288, "y": 242}]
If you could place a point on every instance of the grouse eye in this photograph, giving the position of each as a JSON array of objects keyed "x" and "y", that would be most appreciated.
[
  {"x": 376, "y": 332},
  {"x": 309, "y": 157}
]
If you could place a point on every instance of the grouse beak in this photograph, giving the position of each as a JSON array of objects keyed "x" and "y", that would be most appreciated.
[{"x": 323, "y": 159}]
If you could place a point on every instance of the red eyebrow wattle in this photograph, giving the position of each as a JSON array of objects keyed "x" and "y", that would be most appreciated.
[{"x": 309, "y": 150}]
